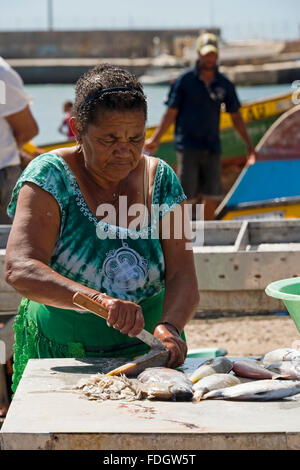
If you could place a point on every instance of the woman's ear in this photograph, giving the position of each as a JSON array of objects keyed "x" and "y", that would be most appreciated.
[{"x": 75, "y": 131}]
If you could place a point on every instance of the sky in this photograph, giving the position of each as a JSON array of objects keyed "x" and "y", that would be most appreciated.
[{"x": 238, "y": 19}]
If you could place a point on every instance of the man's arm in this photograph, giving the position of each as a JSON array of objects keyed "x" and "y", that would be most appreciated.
[
  {"x": 24, "y": 126},
  {"x": 241, "y": 128},
  {"x": 152, "y": 144}
]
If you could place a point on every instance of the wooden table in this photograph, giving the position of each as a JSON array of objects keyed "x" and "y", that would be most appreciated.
[{"x": 43, "y": 417}]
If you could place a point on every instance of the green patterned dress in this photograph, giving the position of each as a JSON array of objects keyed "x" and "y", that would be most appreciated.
[{"x": 123, "y": 263}]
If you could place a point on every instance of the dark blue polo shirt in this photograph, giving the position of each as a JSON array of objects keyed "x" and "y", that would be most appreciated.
[{"x": 198, "y": 119}]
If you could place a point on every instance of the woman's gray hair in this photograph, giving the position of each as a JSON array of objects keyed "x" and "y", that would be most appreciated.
[{"x": 106, "y": 87}]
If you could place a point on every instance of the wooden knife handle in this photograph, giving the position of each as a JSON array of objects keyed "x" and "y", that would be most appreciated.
[{"x": 93, "y": 306}]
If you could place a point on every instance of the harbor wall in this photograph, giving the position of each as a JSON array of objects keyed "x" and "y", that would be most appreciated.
[
  {"x": 92, "y": 44},
  {"x": 63, "y": 56},
  {"x": 38, "y": 71},
  {"x": 34, "y": 71}
]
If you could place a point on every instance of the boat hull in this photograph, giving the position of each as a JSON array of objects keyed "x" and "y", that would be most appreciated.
[
  {"x": 278, "y": 211},
  {"x": 270, "y": 187}
]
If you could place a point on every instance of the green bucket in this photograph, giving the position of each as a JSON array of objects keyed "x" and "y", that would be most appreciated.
[
  {"x": 206, "y": 352},
  {"x": 288, "y": 290}
]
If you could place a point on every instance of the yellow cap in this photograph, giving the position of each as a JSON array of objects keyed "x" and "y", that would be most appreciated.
[{"x": 206, "y": 43}]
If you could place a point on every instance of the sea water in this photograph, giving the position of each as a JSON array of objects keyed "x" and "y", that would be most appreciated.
[{"x": 48, "y": 100}]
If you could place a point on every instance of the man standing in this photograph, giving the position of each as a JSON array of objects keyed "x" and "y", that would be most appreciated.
[
  {"x": 17, "y": 126},
  {"x": 194, "y": 103}
]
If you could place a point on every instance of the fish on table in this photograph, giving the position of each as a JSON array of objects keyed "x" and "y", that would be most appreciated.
[
  {"x": 258, "y": 390},
  {"x": 220, "y": 365},
  {"x": 213, "y": 382},
  {"x": 154, "y": 358},
  {"x": 283, "y": 354},
  {"x": 292, "y": 398},
  {"x": 165, "y": 384},
  {"x": 288, "y": 369},
  {"x": 253, "y": 370},
  {"x": 158, "y": 383}
]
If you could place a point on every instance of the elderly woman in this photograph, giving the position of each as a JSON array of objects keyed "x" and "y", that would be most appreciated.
[{"x": 57, "y": 245}]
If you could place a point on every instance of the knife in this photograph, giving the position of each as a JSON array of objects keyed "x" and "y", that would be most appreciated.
[{"x": 82, "y": 300}]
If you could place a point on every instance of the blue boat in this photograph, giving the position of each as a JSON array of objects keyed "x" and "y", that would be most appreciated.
[{"x": 269, "y": 189}]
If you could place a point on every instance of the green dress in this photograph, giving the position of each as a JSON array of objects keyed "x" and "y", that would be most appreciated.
[{"x": 121, "y": 262}]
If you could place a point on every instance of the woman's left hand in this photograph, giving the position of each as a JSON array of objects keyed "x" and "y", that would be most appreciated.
[{"x": 172, "y": 341}]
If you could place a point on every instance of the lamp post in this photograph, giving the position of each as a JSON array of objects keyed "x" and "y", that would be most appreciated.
[
  {"x": 50, "y": 15},
  {"x": 212, "y": 20}
]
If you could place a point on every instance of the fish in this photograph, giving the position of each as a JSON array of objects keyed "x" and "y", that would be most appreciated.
[
  {"x": 165, "y": 384},
  {"x": 288, "y": 369},
  {"x": 258, "y": 390},
  {"x": 293, "y": 398},
  {"x": 283, "y": 354},
  {"x": 213, "y": 366},
  {"x": 213, "y": 382},
  {"x": 253, "y": 370},
  {"x": 154, "y": 358}
]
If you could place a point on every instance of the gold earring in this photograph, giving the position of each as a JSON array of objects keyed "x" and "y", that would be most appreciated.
[{"x": 79, "y": 145}]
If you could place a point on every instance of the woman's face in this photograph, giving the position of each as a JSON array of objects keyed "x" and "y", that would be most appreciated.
[{"x": 112, "y": 146}]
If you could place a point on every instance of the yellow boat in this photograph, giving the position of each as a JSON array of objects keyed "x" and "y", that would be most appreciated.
[{"x": 259, "y": 115}]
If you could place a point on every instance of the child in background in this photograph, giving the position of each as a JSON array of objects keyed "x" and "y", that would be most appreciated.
[{"x": 65, "y": 128}]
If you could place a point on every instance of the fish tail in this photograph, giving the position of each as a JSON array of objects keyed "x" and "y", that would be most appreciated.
[
  {"x": 213, "y": 394},
  {"x": 198, "y": 397},
  {"x": 281, "y": 376}
]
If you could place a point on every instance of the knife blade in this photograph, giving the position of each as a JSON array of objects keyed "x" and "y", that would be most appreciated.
[{"x": 93, "y": 306}]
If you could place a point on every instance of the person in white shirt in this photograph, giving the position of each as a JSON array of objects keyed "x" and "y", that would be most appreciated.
[{"x": 17, "y": 126}]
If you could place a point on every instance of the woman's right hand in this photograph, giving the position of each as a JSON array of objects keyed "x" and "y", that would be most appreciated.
[{"x": 123, "y": 315}]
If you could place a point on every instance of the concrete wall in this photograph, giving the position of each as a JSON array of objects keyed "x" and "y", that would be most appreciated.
[{"x": 79, "y": 44}]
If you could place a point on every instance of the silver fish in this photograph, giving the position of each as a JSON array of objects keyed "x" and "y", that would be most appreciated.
[
  {"x": 283, "y": 354},
  {"x": 293, "y": 398},
  {"x": 258, "y": 390},
  {"x": 165, "y": 384},
  {"x": 253, "y": 370},
  {"x": 213, "y": 382},
  {"x": 215, "y": 366},
  {"x": 288, "y": 369}
]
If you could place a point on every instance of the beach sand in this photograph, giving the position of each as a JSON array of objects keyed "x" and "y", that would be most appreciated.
[{"x": 243, "y": 336}]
